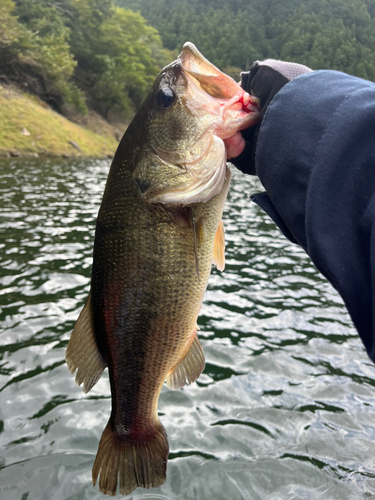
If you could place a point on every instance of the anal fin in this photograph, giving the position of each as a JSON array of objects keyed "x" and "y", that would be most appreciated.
[
  {"x": 219, "y": 248},
  {"x": 82, "y": 353},
  {"x": 188, "y": 369}
]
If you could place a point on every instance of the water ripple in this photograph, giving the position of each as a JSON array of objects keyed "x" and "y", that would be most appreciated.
[{"x": 284, "y": 409}]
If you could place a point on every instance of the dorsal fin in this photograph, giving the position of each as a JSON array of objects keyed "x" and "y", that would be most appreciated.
[
  {"x": 82, "y": 353},
  {"x": 219, "y": 248}
]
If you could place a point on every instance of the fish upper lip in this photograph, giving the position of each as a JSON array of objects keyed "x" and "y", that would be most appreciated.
[
  {"x": 189, "y": 49},
  {"x": 214, "y": 81}
]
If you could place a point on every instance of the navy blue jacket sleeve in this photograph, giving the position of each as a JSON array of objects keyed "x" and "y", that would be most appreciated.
[{"x": 315, "y": 157}]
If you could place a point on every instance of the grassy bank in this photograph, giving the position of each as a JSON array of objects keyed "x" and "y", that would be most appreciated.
[{"x": 28, "y": 127}]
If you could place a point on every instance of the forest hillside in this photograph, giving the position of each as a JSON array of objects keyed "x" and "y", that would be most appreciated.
[
  {"x": 323, "y": 34},
  {"x": 87, "y": 60},
  {"x": 79, "y": 54},
  {"x": 99, "y": 58}
]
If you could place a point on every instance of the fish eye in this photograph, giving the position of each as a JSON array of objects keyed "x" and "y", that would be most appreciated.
[{"x": 165, "y": 97}]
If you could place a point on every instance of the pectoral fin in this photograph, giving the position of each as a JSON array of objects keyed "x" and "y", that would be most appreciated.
[
  {"x": 219, "y": 248},
  {"x": 188, "y": 369},
  {"x": 82, "y": 353}
]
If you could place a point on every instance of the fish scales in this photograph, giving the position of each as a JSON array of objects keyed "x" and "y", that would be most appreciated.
[
  {"x": 158, "y": 231},
  {"x": 153, "y": 294}
]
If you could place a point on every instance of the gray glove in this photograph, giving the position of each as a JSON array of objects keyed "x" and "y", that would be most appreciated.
[{"x": 263, "y": 80}]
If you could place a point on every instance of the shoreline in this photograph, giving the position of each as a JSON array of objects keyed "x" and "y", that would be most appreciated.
[
  {"x": 29, "y": 128},
  {"x": 13, "y": 154}
]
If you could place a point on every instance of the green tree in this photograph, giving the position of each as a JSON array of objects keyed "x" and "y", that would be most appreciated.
[
  {"x": 46, "y": 51},
  {"x": 333, "y": 43},
  {"x": 78, "y": 51},
  {"x": 336, "y": 34},
  {"x": 10, "y": 31},
  {"x": 118, "y": 54}
]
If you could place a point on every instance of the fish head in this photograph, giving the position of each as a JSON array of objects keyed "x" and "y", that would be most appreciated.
[{"x": 191, "y": 108}]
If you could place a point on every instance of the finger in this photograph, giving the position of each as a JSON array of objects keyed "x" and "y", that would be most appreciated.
[{"x": 235, "y": 145}]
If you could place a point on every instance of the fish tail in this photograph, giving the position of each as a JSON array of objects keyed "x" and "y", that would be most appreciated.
[{"x": 130, "y": 463}]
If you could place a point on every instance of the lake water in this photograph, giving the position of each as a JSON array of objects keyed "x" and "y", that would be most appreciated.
[{"x": 285, "y": 408}]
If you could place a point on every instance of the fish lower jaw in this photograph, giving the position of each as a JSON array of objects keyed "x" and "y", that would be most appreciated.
[
  {"x": 239, "y": 112},
  {"x": 236, "y": 119},
  {"x": 199, "y": 183}
]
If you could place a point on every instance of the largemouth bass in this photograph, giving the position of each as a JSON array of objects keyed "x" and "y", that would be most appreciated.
[{"x": 158, "y": 231}]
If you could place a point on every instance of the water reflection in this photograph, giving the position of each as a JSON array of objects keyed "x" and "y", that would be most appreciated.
[{"x": 284, "y": 409}]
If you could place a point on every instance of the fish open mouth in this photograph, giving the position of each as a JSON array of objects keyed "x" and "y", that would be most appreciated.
[
  {"x": 219, "y": 93},
  {"x": 216, "y": 108}
]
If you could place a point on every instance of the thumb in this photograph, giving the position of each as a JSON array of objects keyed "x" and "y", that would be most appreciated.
[{"x": 235, "y": 145}]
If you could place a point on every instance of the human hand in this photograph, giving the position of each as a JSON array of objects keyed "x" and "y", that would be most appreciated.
[{"x": 263, "y": 80}]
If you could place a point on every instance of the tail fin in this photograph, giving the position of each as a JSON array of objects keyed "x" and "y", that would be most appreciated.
[{"x": 130, "y": 464}]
